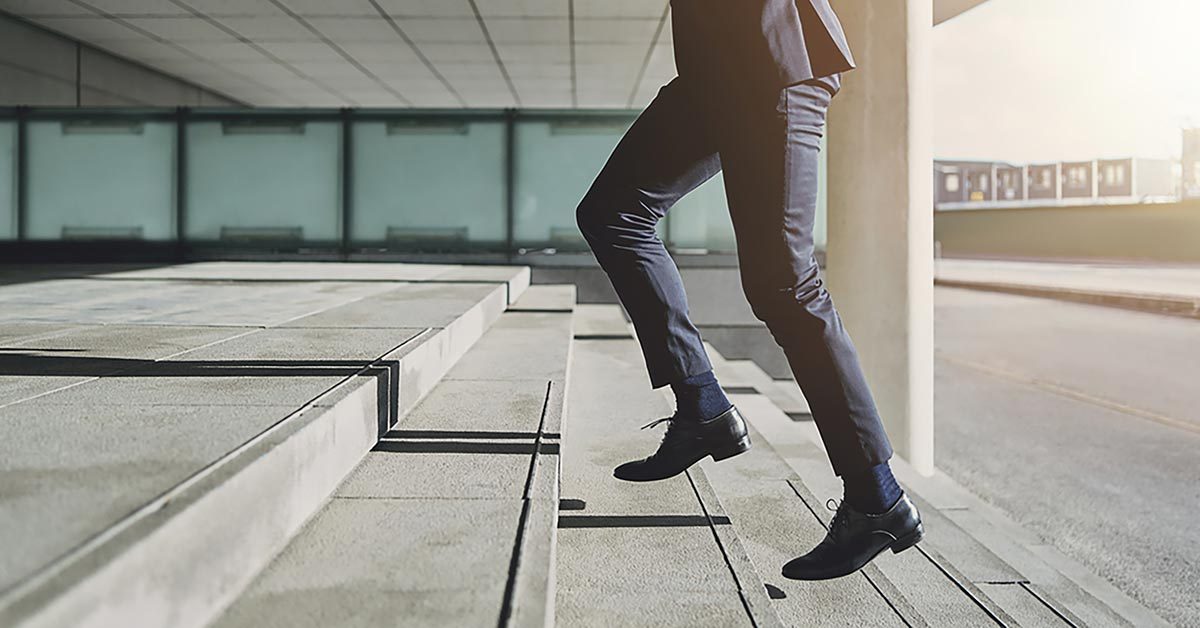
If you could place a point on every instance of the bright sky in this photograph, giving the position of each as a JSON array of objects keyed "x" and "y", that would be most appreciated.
[{"x": 1049, "y": 80}]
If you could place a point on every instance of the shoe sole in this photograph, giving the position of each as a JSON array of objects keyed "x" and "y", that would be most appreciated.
[
  {"x": 741, "y": 447},
  {"x": 908, "y": 540},
  {"x": 897, "y": 546}
]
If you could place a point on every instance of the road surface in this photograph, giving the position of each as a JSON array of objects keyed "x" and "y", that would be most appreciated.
[{"x": 1083, "y": 423}]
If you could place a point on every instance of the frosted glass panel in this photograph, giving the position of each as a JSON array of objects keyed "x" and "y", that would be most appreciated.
[
  {"x": 259, "y": 181},
  {"x": 8, "y": 175},
  {"x": 429, "y": 184},
  {"x": 101, "y": 180},
  {"x": 700, "y": 220},
  {"x": 556, "y": 164}
]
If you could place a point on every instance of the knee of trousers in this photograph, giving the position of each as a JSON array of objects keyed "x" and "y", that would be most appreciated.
[
  {"x": 785, "y": 309},
  {"x": 602, "y": 219}
]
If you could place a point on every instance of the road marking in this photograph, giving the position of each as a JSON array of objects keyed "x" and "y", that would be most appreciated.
[{"x": 1071, "y": 393}]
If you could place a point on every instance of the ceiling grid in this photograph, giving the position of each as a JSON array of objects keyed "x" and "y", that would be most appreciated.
[{"x": 559, "y": 54}]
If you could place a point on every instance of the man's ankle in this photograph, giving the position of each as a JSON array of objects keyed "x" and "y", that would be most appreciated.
[
  {"x": 700, "y": 397},
  {"x": 873, "y": 491}
]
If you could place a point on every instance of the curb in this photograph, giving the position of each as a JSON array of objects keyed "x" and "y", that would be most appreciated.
[{"x": 1153, "y": 303}]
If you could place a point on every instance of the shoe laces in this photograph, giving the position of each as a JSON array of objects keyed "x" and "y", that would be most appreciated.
[
  {"x": 840, "y": 516},
  {"x": 669, "y": 420}
]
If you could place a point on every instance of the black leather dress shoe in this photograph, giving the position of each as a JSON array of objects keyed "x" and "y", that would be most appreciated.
[
  {"x": 855, "y": 539},
  {"x": 686, "y": 443}
]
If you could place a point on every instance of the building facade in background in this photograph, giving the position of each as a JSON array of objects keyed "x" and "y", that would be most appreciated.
[{"x": 982, "y": 184}]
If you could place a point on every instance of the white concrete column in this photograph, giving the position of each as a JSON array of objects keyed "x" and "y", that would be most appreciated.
[{"x": 880, "y": 229}]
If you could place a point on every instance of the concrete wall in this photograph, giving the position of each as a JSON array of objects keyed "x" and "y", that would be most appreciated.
[
  {"x": 1167, "y": 232},
  {"x": 715, "y": 300},
  {"x": 40, "y": 68}
]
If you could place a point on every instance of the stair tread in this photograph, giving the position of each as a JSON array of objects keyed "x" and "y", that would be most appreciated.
[
  {"x": 929, "y": 585},
  {"x": 368, "y": 562},
  {"x": 776, "y": 526},
  {"x": 429, "y": 521},
  {"x": 636, "y": 554}
]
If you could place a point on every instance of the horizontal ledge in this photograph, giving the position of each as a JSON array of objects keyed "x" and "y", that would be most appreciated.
[
  {"x": 463, "y": 435},
  {"x": 640, "y": 521},
  {"x": 462, "y": 447}
]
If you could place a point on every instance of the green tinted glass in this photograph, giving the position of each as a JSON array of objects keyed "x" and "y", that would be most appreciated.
[
  {"x": 436, "y": 183},
  {"x": 8, "y": 175},
  {"x": 101, "y": 179},
  {"x": 259, "y": 181}
]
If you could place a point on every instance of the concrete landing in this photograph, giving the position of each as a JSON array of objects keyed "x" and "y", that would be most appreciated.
[{"x": 131, "y": 404}]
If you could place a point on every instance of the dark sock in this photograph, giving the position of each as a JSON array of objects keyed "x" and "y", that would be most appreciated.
[
  {"x": 873, "y": 491},
  {"x": 700, "y": 397}
]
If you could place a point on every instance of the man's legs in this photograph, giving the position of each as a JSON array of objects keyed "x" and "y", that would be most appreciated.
[
  {"x": 769, "y": 153},
  {"x": 667, "y": 153},
  {"x": 770, "y": 156},
  {"x": 664, "y": 155}
]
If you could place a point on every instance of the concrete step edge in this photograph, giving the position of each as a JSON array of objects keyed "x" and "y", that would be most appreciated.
[
  {"x": 530, "y": 596},
  {"x": 530, "y": 599},
  {"x": 751, "y": 585},
  {"x": 182, "y": 558}
]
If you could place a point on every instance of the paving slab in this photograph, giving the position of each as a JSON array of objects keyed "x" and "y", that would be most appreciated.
[
  {"x": 76, "y": 351},
  {"x": 410, "y": 305},
  {"x": 286, "y": 271},
  {"x": 651, "y": 607},
  {"x": 22, "y": 333},
  {"x": 261, "y": 304},
  {"x": 18, "y": 388},
  {"x": 295, "y": 348},
  {"x": 477, "y": 475},
  {"x": 520, "y": 348},
  {"x": 83, "y": 353},
  {"x": 1027, "y": 607},
  {"x": 148, "y": 389},
  {"x": 601, "y": 320},
  {"x": 86, "y": 467},
  {"x": 389, "y": 555},
  {"x": 547, "y": 298}
]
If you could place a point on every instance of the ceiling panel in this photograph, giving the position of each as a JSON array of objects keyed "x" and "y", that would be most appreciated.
[{"x": 386, "y": 53}]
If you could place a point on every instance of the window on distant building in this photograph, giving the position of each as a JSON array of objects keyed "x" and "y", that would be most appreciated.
[
  {"x": 953, "y": 184},
  {"x": 1114, "y": 174},
  {"x": 1045, "y": 179},
  {"x": 1077, "y": 176}
]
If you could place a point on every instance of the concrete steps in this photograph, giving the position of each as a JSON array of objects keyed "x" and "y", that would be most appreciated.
[
  {"x": 450, "y": 520},
  {"x": 656, "y": 554},
  {"x": 167, "y": 432},
  {"x": 975, "y": 566},
  {"x": 364, "y": 445}
]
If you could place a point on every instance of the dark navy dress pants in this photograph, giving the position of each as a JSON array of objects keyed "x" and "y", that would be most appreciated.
[{"x": 767, "y": 145}]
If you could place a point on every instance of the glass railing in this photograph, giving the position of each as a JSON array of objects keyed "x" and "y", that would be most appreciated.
[{"x": 408, "y": 181}]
